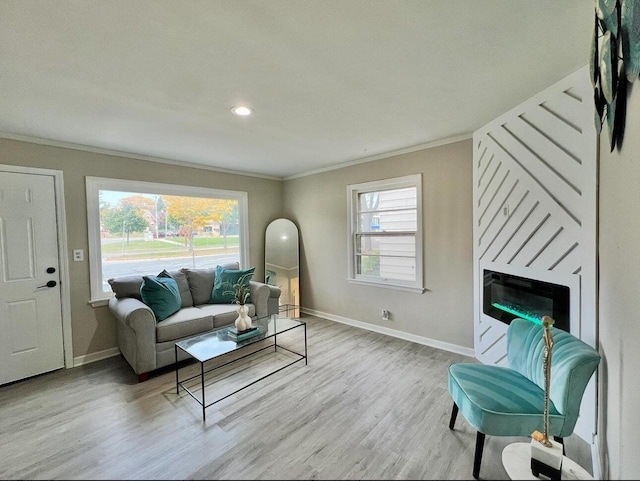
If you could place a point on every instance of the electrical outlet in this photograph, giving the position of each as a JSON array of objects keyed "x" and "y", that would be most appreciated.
[
  {"x": 386, "y": 315},
  {"x": 78, "y": 255}
]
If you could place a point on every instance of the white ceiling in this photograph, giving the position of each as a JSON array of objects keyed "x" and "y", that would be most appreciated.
[{"x": 331, "y": 81}]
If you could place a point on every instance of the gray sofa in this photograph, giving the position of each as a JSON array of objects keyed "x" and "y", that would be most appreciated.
[{"x": 148, "y": 345}]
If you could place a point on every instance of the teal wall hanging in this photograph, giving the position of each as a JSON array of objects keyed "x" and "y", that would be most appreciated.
[{"x": 615, "y": 62}]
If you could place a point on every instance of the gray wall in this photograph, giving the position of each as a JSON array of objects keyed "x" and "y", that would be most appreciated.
[
  {"x": 94, "y": 328},
  {"x": 318, "y": 205},
  {"x": 619, "y": 311}
]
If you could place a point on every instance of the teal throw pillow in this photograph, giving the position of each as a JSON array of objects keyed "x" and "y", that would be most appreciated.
[
  {"x": 161, "y": 294},
  {"x": 223, "y": 292},
  {"x": 164, "y": 273}
]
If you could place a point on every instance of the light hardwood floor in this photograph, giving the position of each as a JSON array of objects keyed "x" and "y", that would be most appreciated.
[{"x": 367, "y": 406}]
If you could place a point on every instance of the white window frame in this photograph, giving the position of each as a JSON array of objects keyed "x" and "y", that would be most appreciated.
[
  {"x": 353, "y": 191},
  {"x": 96, "y": 184}
]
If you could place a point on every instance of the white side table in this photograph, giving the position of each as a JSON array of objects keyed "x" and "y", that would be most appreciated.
[{"x": 516, "y": 459}]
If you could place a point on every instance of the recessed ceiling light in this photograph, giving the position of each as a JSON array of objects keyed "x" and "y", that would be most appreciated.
[{"x": 242, "y": 110}]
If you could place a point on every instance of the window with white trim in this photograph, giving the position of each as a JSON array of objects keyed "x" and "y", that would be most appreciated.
[
  {"x": 142, "y": 228},
  {"x": 385, "y": 233}
]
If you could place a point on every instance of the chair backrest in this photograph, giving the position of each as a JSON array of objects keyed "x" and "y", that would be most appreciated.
[{"x": 573, "y": 362}]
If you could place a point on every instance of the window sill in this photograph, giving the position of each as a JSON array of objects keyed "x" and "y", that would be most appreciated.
[
  {"x": 99, "y": 302},
  {"x": 415, "y": 290}
]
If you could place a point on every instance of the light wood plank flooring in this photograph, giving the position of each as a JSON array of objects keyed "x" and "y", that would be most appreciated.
[{"x": 367, "y": 406}]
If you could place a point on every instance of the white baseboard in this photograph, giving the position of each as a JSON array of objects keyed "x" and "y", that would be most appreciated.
[
  {"x": 445, "y": 346},
  {"x": 95, "y": 356}
]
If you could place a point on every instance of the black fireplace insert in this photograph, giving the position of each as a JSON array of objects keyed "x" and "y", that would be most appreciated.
[{"x": 506, "y": 297}]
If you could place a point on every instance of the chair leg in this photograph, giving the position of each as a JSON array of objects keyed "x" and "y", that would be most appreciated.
[
  {"x": 479, "y": 442},
  {"x": 478, "y": 457},
  {"x": 454, "y": 415},
  {"x": 561, "y": 441}
]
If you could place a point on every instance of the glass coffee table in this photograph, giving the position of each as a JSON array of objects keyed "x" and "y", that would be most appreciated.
[{"x": 213, "y": 345}]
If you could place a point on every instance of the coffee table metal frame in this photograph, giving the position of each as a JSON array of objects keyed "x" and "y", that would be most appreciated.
[{"x": 216, "y": 335}]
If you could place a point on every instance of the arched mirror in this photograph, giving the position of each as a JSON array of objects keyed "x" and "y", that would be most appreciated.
[{"x": 281, "y": 264}]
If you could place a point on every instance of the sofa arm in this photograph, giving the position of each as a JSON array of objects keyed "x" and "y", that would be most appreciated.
[
  {"x": 259, "y": 298},
  {"x": 273, "y": 304},
  {"x": 133, "y": 313},
  {"x": 265, "y": 298},
  {"x": 137, "y": 333}
]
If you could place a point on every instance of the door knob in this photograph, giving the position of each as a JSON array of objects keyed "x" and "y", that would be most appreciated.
[
  {"x": 51, "y": 270},
  {"x": 49, "y": 284}
]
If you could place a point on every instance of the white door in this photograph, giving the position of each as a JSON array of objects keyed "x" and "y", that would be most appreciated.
[{"x": 30, "y": 303}]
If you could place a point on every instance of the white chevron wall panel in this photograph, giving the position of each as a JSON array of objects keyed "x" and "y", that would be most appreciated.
[{"x": 535, "y": 204}]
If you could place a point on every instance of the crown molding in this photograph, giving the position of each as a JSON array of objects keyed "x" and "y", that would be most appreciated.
[
  {"x": 182, "y": 163},
  {"x": 385, "y": 155},
  {"x": 129, "y": 155}
]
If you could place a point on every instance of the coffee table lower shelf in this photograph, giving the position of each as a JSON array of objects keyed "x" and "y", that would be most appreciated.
[{"x": 214, "y": 338}]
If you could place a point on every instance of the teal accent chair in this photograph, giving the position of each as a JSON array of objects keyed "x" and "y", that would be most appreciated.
[{"x": 509, "y": 401}]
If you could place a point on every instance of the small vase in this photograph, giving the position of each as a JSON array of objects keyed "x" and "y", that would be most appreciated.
[{"x": 243, "y": 322}]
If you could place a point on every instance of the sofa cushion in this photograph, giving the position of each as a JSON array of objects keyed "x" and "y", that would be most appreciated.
[
  {"x": 161, "y": 294},
  {"x": 183, "y": 286},
  {"x": 188, "y": 321},
  {"x": 201, "y": 282},
  {"x": 224, "y": 314},
  {"x": 225, "y": 279},
  {"x": 129, "y": 286},
  {"x": 126, "y": 286}
]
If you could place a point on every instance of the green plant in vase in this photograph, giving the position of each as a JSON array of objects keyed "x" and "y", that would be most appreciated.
[{"x": 241, "y": 292}]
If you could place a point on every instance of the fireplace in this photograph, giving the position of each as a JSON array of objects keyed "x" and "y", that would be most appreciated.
[{"x": 506, "y": 297}]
